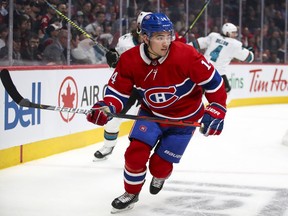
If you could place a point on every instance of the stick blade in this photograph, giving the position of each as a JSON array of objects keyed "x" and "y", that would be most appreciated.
[{"x": 9, "y": 86}]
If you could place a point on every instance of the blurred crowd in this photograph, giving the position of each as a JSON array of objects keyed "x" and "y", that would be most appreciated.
[{"x": 42, "y": 36}]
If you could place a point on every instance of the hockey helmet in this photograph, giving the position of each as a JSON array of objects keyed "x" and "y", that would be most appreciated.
[
  {"x": 140, "y": 19},
  {"x": 156, "y": 22},
  {"x": 228, "y": 28}
]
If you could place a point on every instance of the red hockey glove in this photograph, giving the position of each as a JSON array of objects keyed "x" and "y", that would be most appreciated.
[
  {"x": 98, "y": 115},
  {"x": 213, "y": 119}
]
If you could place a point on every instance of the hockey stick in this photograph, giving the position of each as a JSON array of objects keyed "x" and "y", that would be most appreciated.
[
  {"x": 197, "y": 17},
  {"x": 15, "y": 95},
  {"x": 77, "y": 27}
]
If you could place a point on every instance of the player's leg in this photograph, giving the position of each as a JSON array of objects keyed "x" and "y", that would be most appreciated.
[
  {"x": 136, "y": 157},
  {"x": 160, "y": 170},
  {"x": 111, "y": 130},
  {"x": 226, "y": 83},
  {"x": 169, "y": 150},
  {"x": 144, "y": 137},
  {"x": 227, "y": 88}
]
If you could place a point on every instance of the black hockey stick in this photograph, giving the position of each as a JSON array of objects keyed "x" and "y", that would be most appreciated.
[
  {"x": 15, "y": 95},
  {"x": 76, "y": 26},
  {"x": 197, "y": 17}
]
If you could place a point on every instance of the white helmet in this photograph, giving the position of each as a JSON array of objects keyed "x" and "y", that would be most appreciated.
[
  {"x": 140, "y": 18},
  {"x": 228, "y": 28}
]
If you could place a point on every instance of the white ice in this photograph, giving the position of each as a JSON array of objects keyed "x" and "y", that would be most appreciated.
[{"x": 242, "y": 172}]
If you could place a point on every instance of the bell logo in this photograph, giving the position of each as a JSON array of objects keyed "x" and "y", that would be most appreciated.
[
  {"x": 15, "y": 115},
  {"x": 68, "y": 97}
]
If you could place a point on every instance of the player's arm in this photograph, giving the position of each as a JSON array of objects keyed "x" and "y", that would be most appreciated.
[
  {"x": 250, "y": 57},
  {"x": 201, "y": 42},
  {"x": 243, "y": 54},
  {"x": 117, "y": 93},
  {"x": 215, "y": 111},
  {"x": 195, "y": 44},
  {"x": 210, "y": 80}
]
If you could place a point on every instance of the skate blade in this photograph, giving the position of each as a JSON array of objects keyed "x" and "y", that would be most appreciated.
[
  {"x": 100, "y": 159},
  {"x": 116, "y": 211}
]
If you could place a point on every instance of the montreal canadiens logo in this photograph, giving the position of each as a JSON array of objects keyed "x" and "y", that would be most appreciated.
[
  {"x": 68, "y": 97},
  {"x": 161, "y": 97}
]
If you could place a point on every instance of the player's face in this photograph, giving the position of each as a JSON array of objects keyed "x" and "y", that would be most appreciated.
[
  {"x": 233, "y": 34},
  {"x": 159, "y": 44}
]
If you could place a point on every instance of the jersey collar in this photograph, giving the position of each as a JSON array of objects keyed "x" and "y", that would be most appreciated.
[{"x": 145, "y": 57}]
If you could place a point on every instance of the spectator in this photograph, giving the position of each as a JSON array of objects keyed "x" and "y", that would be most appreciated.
[
  {"x": 86, "y": 9},
  {"x": 18, "y": 9},
  {"x": 31, "y": 53},
  {"x": 50, "y": 36},
  {"x": 246, "y": 35},
  {"x": 274, "y": 42},
  {"x": 63, "y": 9},
  {"x": 106, "y": 37},
  {"x": 16, "y": 55},
  {"x": 33, "y": 11},
  {"x": 79, "y": 19},
  {"x": 3, "y": 35},
  {"x": 78, "y": 54},
  {"x": 274, "y": 58},
  {"x": 47, "y": 17},
  {"x": 97, "y": 27},
  {"x": 3, "y": 12},
  {"x": 53, "y": 53},
  {"x": 281, "y": 53},
  {"x": 23, "y": 27}
]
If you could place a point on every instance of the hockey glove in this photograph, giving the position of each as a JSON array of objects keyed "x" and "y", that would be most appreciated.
[
  {"x": 112, "y": 58},
  {"x": 98, "y": 113},
  {"x": 213, "y": 119}
]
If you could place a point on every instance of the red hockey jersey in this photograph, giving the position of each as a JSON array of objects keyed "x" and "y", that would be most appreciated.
[{"x": 171, "y": 86}]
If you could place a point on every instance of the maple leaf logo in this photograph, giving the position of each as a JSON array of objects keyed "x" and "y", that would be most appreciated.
[{"x": 68, "y": 97}]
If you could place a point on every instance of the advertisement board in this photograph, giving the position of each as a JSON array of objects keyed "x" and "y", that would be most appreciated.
[
  {"x": 74, "y": 87},
  {"x": 64, "y": 88},
  {"x": 254, "y": 81}
]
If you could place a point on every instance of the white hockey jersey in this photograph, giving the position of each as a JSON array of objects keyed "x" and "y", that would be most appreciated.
[
  {"x": 221, "y": 50},
  {"x": 125, "y": 42}
]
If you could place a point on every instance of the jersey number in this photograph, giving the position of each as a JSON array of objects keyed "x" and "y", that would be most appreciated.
[
  {"x": 113, "y": 77},
  {"x": 215, "y": 53}
]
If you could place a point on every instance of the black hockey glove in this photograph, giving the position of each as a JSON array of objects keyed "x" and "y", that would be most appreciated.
[{"x": 112, "y": 58}]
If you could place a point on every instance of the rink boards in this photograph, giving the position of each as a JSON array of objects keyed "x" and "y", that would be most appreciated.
[{"x": 28, "y": 134}]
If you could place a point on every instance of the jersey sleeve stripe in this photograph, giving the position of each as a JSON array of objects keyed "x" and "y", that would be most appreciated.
[{"x": 213, "y": 83}]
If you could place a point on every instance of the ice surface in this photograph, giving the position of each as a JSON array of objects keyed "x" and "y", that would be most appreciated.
[{"x": 242, "y": 172}]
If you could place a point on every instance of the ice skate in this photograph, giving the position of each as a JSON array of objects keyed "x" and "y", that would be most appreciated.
[
  {"x": 156, "y": 185},
  {"x": 124, "y": 202},
  {"x": 102, "y": 153}
]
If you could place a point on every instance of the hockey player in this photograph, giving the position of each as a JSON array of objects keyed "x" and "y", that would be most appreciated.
[
  {"x": 111, "y": 130},
  {"x": 221, "y": 49},
  {"x": 170, "y": 76}
]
